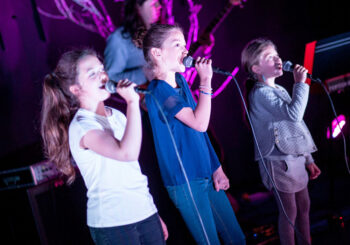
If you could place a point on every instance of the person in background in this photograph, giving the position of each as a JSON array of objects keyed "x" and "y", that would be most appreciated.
[
  {"x": 105, "y": 146},
  {"x": 123, "y": 53},
  {"x": 283, "y": 138}
]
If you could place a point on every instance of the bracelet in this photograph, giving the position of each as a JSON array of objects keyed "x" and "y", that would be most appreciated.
[
  {"x": 205, "y": 87},
  {"x": 202, "y": 92}
]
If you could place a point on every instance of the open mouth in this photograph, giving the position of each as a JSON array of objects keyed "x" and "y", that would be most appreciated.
[{"x": 103, "y": 86}]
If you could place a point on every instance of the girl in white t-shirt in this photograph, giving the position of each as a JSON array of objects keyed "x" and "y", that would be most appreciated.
[{"x": 105, "y": 146}]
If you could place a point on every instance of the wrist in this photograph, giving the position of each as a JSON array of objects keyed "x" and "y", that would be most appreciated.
[
  {"x": 132, "y": 102},
  {"x": 206, "y": 81},
  {"x": 205, "y": 88},
  {"x": 205, "y": 93}
]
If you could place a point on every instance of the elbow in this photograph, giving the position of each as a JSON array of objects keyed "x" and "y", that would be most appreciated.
[
  {"x": 131, "y": 157},
  {"x": 296, "y": 118},
  {"x": 127, "y": 156},
  {"x": 201, "y": 127}
]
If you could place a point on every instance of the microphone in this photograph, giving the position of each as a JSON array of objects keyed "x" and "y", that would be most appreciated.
[
  {"x": 288, "y": 66},
  {"x": 188, "y": 61},
  {"x": 111, "y": 87}
]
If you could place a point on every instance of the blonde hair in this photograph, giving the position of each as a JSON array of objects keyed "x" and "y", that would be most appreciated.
[{"x": 251, "y": 54}]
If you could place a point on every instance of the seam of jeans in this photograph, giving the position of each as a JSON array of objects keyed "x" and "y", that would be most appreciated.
[{"x": 221, "y": 221}]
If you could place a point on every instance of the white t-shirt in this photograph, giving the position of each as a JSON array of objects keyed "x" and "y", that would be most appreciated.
[{"x": 118, "y": 192}]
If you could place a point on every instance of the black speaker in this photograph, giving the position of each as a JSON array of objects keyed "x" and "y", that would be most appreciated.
[{"x": 49, "y": 214}]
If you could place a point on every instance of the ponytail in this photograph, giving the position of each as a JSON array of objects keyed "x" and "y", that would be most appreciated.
[{"x": 59, "y": 106}]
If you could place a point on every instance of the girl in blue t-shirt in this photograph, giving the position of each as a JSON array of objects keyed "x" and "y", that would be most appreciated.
[{"x": 204, "y": 206}]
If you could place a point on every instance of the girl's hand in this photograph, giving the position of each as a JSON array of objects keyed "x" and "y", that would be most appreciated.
[
  {"x": 165, "y": 229},
  {"x": 205, "y": 71},
  {"x": 221, "y": 182},
  {"x": 300, "y": 74},
  {"x": 126, "y": 89},
  {"x": 314, "y": 170}
]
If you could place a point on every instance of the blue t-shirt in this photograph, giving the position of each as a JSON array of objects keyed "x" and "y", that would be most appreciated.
[{"x": 196, "y": 152}]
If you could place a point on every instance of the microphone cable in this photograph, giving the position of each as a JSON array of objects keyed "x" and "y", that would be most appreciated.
[
  {"x": 341, "y": 130},
  {"x": 181, "y": 165}
]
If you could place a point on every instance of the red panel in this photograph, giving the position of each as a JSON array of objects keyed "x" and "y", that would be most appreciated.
[{"x": 309, "y": 57}]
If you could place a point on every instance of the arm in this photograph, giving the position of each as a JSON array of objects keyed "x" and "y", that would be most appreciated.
[
  {"x": 266, "y": 99},
  {"x": 128, "y": 148},
  {"x": 309, "y": 158},
  {"x": 198, "y": 119}
]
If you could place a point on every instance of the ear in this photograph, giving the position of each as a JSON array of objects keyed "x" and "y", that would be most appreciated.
[
  {"x": 156, "y": 53},
  {"x": 256, "y": 69},
  {"x": 75, "y": 89}
]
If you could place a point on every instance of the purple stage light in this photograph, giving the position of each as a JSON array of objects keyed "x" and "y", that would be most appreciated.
[{"x": 336, "y": 128}]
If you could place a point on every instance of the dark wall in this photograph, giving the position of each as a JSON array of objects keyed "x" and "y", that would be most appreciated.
[{"x": 30, "y": 45}]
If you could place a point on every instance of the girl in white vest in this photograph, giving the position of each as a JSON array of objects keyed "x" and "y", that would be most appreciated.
[{"x": 105, "y": 146}]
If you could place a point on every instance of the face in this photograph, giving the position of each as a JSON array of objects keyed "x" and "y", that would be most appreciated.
[
  {"x": 173, "y": 51},
  {"x": 270, "y": 64},
  {"x": 150, "y": 11},
  {"x": 92, "y": 79}
]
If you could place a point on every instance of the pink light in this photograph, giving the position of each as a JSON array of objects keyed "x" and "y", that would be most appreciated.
[
  {"x": 328, "y": 133},
  {"x": 336, "y": 129}
]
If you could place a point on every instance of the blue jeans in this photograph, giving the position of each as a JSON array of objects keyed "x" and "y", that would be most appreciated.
[
  {"x": 148, "y": 231},
  {"x": 214, "y": 208}
]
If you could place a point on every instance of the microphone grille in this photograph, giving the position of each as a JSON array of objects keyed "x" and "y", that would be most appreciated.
[
  {"x": 187, "y": 61},
  {"x": 111, "y": 86},
  {"x": 287, "y": 66}
]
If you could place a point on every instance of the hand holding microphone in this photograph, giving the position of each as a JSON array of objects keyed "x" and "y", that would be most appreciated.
[
  {"x": 300, "y": 73},
  {"x": 111, "y": 86},
  {"x": 289, "y": 67},
  {"x": 188, "y": 61},
  {"x": 126, "y": 89},
  {"x": 205, "y": 71}
]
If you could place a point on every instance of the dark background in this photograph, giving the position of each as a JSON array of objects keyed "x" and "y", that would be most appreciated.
[{"x": 30, "y": 45}]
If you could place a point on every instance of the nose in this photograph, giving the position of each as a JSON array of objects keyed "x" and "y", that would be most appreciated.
[
  {"x": 277, "y": 59},
  {"x": 185, "y": 51},
  {"x": 104, "y": 76}
]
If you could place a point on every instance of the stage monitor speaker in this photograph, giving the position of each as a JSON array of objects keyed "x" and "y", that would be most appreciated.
[
  {"x": 51, "y": 213},
  {"x": 60, "y": 212}
]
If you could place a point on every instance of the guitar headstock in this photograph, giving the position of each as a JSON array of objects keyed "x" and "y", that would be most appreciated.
[{"x": 237, "y": 2}]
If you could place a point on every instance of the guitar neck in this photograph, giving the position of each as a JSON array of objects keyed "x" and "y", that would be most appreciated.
[{"x": 213, "y": 25}]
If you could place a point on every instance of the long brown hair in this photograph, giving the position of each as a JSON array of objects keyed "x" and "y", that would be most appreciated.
[
  {"x": 133, "y": 24},
  {"x": 58, "y": 108}
]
